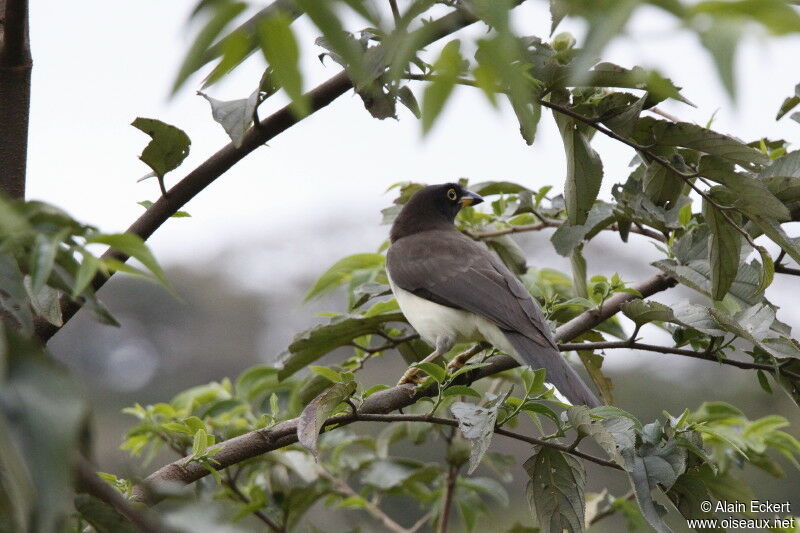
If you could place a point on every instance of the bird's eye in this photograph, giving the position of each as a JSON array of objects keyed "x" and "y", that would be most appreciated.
[{"x": 451, "y": 194}]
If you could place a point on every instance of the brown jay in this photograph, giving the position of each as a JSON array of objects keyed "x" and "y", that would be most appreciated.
[{"x": 452, "y": 289}]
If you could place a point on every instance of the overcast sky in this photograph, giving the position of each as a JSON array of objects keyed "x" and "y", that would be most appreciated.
[{"x": 100, "y": 64}]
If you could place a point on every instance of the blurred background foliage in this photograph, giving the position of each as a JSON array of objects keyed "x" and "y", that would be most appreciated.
[{"x": 181, "y": 375}]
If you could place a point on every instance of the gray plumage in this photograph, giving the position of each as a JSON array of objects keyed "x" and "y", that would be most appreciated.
[{"x": 432, "y": 261}]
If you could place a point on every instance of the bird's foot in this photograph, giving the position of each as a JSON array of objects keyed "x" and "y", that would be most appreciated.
[
  {"x": 412, "y": 375},
  {"x": 458, "y": 362}
]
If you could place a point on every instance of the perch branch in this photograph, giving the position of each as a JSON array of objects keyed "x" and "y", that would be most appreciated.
[
  {"x": 261, "y": 441},
  {"x": 219, "y": 163}
]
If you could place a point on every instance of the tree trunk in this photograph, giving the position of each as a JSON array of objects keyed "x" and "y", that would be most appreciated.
[{"x": 15, "y": 95}]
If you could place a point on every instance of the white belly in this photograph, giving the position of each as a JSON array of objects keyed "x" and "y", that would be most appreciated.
[{"x": 432, "y": 320}]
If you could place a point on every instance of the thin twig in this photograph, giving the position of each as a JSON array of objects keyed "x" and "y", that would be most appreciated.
[
  {"x": 92, "y": 484},
  {"x": 568, "y": 347},
  {"x": 343, "y": 488},
  {"x": 391, "y": 417},
  {"x": 780, "y": 269},
  {"x": 447, "y": 498},
  {"x": 231, "y": 484},
  {"x": 550, "y": 223},
  {"x": 668, "y": 116}
]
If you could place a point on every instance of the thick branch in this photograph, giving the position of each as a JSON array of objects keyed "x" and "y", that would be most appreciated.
[
  {"x": 15, "y": 96},
  {"x": 219, "y": 163},
  {"x": 15, "y": 50},
  {"x": 632, "y": 345},
  {"x": 262, "y": 441}
]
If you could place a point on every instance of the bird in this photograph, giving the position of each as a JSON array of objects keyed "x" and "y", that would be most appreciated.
[{"x": 452, "y": 289}]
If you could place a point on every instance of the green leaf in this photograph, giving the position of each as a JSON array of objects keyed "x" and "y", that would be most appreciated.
[
  {"x": 578, "y": 263},
  {"x": 313, "y": 417},
  {"x": 13, "y": 295},
  {"x": 582, "y": 422},
  {"x": 340, "y": 42},
  {"x": 510, "y": 253},
  {"x": 460, "y": 390},
  {"x": 147, "y": 204},
  {"x": 661, "y": 185},
  {"x": 200, "y": 443},
  {"x": 102, "y": 517},
  {"x": 46, "y": 303},
  {"x": 584, "y": 170},
  {"x": 724, "y": 247},
  {"x": 408, "y": 99},
  {"x": 650, "y": 465},
  {"x": 85, "y": 275},
  {"x": 593, "y": 362},
  {"x": 658, "y": 88},
  {"x": 310, "y": 345},
  {"x": 195, "y": 57},
  {"x": 567, "y": 236},
  {"x": 774, "y": 231},
  {"x": 435, "y": 371},
  {"x": 327, "y": 373},
  {"x": 750, "y": 194},
  {"x": 666, "y": 133},
  {"x": 644, "y": 311},
  {"x": 555, "y": 491},
  {"x": 168, "y": 147},
  {"x": 790, "y": 103},
  {"x": 385, "y": 474},
  {"x": 721, "y": 39},
  {"x": 41, "y": 407},
  {"x": 43, "y": 258},
  {"x": 689, "y": 494},
  {"x": 133, "y": 246},
  {"x": 235, "y": 116},
  {"x": 342, "y": 272},
  {"x": 446, "y": 68},
  {"x": 778, "y": 16},
  {"x": 606, "y": 18},
  {"x": 477, "y": 426},
  {"x": 280, "y": 48}
]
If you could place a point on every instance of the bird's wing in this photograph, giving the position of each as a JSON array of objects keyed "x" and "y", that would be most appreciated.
[{"x": 450, "y": 269}]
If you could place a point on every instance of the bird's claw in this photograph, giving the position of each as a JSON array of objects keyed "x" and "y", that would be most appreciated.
[
  {"x": 457, "y": 362},
  {"x": 412, "y": 375}
]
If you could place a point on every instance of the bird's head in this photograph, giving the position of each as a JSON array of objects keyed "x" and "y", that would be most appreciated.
[{"x": 432, "y": 207}]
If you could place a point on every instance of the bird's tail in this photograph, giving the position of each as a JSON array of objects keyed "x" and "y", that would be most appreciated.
[{"x": 559, "y": 372}]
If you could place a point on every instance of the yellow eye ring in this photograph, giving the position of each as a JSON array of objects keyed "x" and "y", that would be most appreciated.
[{"x": 451, "y": 194}]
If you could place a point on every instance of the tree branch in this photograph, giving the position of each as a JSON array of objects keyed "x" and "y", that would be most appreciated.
[
  {"x": 261, "y": 441},
  {"x": 550, "y": 223},
  {"x": 15, "y": 48},
  {"x": 343, "y": 488},
  {"x": 231, "y": 484},
  {"x": 219, "y": 163},
  {"x": 447, "y": 499},
  {"x": 630, "y": 344},
  {"x": 92, "y": 484},
  {"x": 687, "y": 177},
  {"x": 15, "y": 96}
]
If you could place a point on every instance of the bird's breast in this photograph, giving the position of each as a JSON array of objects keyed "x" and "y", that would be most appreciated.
[{"x": 432, "y": 320}]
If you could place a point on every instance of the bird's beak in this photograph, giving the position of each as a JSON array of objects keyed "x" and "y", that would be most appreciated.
[{"x": 470, "y": 198}]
